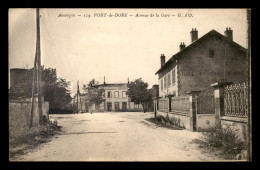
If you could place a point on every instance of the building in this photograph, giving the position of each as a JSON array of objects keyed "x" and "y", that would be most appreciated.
[
  {"x": 209, "y": 59},
  {"x": 15, "y": 75},
  {"x": 115, "y": 100}
]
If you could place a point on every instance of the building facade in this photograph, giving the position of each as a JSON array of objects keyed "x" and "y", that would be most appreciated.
[
  {"x": 115, "y": 97},
  {"x": 209, "y": 59},
  {"x": 115, "y": 100}
]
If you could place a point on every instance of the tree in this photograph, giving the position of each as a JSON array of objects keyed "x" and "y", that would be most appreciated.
[
  {"x": 138, "y": 92},
  {"x": 95, "y": 92},
  {"x": 57, "y": 94},
  {"x": 55, "y": 90}
]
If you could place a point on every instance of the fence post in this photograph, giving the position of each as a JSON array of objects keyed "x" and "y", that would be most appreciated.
[
  {"x": 193, "y": 110},
  {"x": 155, "y": 101},
  {"x": 219, "y": 89},
  {"x": 169, "y": 102}
]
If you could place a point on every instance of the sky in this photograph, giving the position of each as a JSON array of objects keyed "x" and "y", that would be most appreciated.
[{"x": 84, "y": 48}]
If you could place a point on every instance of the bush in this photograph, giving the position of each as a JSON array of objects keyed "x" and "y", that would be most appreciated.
[
  {"x": 37, "y": 132},
  {"x": 225, "y": 138},
  {"x": 36, "y": 135}
]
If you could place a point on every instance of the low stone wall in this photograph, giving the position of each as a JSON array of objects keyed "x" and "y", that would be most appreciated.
[
  {"x": 181, "y": 120},
  {"x": 205, "y": 121},
  {"x": 239, "y": 124},
  {"x": 19, "y": 116}
]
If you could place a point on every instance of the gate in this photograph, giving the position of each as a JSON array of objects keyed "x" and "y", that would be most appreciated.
[{"x": 205, "y": 103}]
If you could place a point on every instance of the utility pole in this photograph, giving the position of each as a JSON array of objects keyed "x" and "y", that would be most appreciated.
[
  {"x": 77, "y": 97},
  {"x": 37, "y": 73},
  {"x": 33, "y": 89},
  {"x": 39, "y": 67}
]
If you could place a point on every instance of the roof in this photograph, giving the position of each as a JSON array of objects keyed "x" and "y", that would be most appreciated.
[
  {"x": 211, "y": 33},
  {"x": 113, "y": 85},
  {"x": 18, "y": 69}
]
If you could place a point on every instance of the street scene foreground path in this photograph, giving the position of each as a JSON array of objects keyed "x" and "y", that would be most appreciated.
[{"x": 126, "y": 136}]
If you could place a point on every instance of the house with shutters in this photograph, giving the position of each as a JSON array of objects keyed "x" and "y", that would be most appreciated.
[{"x": 206, "y": 60}]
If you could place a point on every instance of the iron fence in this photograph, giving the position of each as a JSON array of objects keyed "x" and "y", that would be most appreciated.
[{"x": 236, "y": 100}]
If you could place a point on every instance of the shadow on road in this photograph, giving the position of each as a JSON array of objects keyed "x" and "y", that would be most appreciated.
[{"x": 71, "y": 133}]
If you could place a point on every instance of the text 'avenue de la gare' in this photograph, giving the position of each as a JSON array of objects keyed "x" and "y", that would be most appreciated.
[{"x": 104, "y": 15}]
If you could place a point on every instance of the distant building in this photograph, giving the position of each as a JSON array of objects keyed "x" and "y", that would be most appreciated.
[
  {"x": 209, "y": 59},
  {"x": 15, "y": 75},
  {"x": 115, "y": 99}
]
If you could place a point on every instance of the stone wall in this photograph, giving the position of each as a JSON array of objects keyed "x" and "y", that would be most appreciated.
[
  {"x": 205, "y": 121},
  {"x": 181, "y": 120},
  {"x": 19, "y": 116},
  {"x": 237, "y": 124}
]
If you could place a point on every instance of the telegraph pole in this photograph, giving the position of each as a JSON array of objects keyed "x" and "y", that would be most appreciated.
[
  {"x": 38, "y": 45},
  {"x": 37, "y": 73},
  {"x": 33, "y": 89},
  {"x": 77, "y": 97}
]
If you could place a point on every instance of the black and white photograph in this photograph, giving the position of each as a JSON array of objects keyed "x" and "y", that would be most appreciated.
[{"x": 129, "y": 85}]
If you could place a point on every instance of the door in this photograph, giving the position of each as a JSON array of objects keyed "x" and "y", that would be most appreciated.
[
  {"x": 116, "y": 106},
  {"x": 86, "y": 107},
  {"x": 109, "y": 106},
  {"x": 124, "y": 108}
]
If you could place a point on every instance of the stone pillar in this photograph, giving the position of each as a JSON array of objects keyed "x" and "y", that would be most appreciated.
[
  {"x": 155, "y": 99},
  {"x": 169, "y": 102},
  {"x": 193, "y": 108},
  {"x": 154, "y": 106},
  {"x": 219, "y": 99}
]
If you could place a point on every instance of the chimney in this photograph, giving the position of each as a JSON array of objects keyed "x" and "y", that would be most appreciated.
[
  {"x": 127, "y": 80},
  {"x": 104, "y": 80},
  {"x": 162, "y": 60},
  {"x": 229, "y": 33},
  {"x": 194, "y": 34},
  {"x": 182, "y": 46}
]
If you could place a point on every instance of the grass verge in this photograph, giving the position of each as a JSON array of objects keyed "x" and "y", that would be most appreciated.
[
  {"x": 34, "y": 137},
  {"x": 224, "y": 141}
]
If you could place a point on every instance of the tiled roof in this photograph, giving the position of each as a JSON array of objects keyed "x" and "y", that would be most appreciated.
[{"x": 211, "y": 33}]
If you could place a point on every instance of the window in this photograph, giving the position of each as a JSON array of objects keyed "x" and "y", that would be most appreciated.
[
  {"x": 136, "y": 106},
  {"x": 116, "y": 94},
  {"x": 124, "y": 94},
  {"x": 173, "y": 76},
  {"x": 109, "y": 94},
  {"x": 169, "y": 79},
  {"x": 162, "y": 84},
  {"x": 165, "y": 82},
  {"x": 211, "y": 53}
]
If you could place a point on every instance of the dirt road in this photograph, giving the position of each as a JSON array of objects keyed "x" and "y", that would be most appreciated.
[{"x": 124, "y": 136}]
